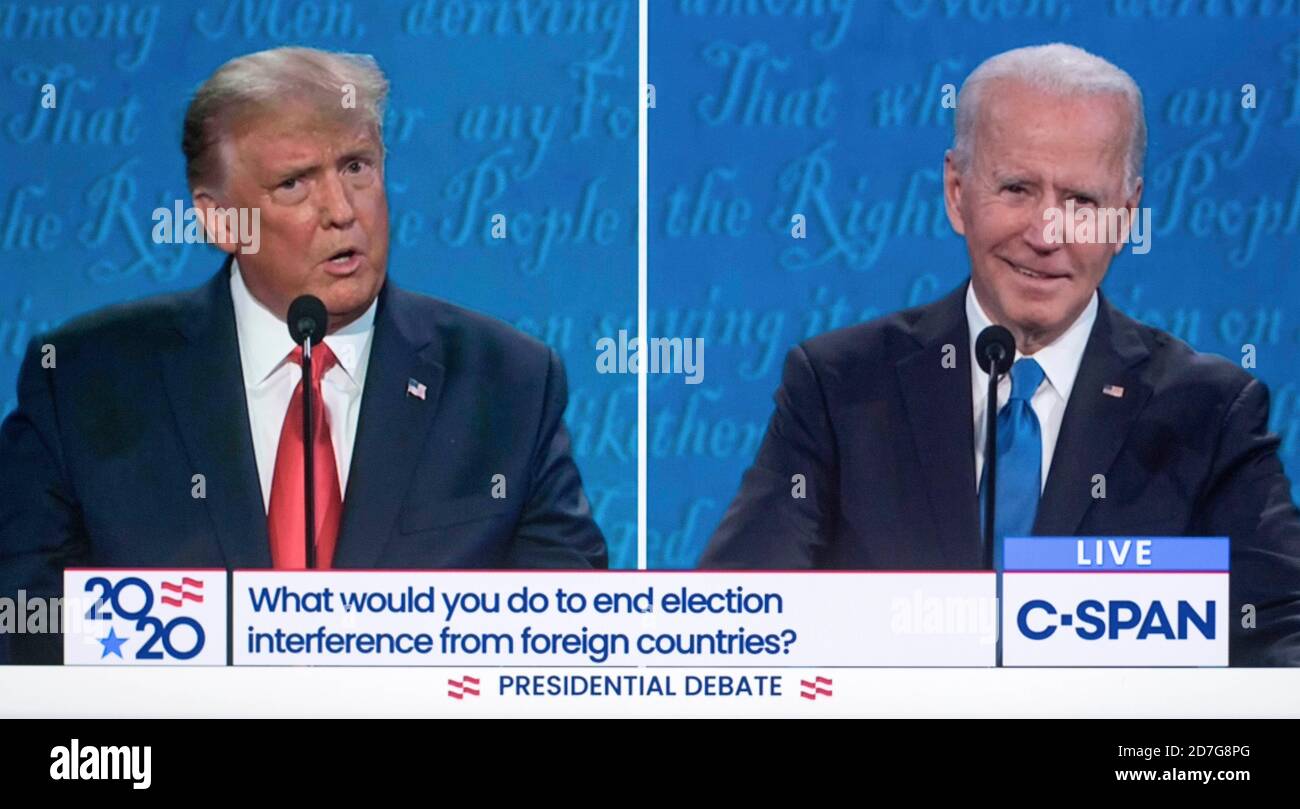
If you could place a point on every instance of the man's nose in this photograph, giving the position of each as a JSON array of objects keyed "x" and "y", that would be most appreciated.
[
  {"x": 1045, "y": 231},
  {"x": 335, "y": 203}
]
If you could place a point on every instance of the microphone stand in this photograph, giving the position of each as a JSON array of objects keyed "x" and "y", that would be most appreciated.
[
  {"x": 309, "y": 459},
  {"x": 308, "y": 321},
  {"x": 996, "y": 355}
]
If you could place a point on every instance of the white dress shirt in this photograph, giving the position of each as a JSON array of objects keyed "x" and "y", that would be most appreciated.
[
  {"x": 1060, "y": 363},
  {"x": 270, "y": 379}
]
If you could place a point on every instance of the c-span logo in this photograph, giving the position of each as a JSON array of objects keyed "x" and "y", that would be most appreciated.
[
  {"x": 1115, "y": 601},
  {"x": 144, "y": 617}
]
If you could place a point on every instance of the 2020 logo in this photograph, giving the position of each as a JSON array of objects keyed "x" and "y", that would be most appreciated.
[{"x": 132, "y": 598}]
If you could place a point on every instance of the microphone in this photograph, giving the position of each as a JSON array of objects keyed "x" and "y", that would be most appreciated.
[
  {"x": 994, "y": 347},
  {"x": 308, "y": 321},
  {"x": 995, "y": 350}
]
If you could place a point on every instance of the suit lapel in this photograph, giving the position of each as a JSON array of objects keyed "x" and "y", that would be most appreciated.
[
  {"x": 941, "y": 416},
  {"x": 1096, "y": 423},
  {"x": 391, "y": 429},
  {"x": 205, "y": 386}
]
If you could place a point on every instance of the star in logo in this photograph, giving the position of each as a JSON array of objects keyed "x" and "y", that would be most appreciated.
[{"x": 112, "y": 644}]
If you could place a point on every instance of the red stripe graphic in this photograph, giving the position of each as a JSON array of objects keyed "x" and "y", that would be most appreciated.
[
  {"x": 176, "y": 602},
  {"x": 815, "y": 687},
  {"x": 186, "y": 581},
  {"x": 185, "y": 596},
  {"x": 172, "y": 587},
  {"x": 463, "y": 686}
]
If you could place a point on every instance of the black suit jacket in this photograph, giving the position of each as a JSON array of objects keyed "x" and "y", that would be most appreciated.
[
  {"x": 884, "y": 435},
  {"x": 97, "y": 463}
]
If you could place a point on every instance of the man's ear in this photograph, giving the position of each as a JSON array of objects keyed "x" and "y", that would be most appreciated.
[
  {"x": 952, "y": 193},
  {"x": 220, "y": 224},
  {"x": 1131, "y": 205}
]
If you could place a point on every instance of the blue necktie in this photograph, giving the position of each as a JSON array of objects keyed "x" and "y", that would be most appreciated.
[{"x": 1020, "y": 459}]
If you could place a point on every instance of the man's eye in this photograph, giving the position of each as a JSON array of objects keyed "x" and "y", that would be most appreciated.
[
  {"x": 1014, "y": 188},
  {"x": 355, "y": 166},
  {"x": 289, "y": 184},
  {"x": 1085, "y": 200}
]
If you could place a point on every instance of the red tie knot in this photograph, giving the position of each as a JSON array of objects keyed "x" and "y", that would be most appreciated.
[{"x": 322, "y": 359}]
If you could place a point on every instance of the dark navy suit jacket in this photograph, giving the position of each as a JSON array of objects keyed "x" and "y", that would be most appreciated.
[
  {"x": 97, "y": 463},
  {"x": 884, "y": 436}
]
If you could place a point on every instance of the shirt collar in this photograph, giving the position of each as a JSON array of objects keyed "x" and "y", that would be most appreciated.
[
  {"x": 1059, "y": 360},
  {"x": 264, "y": 342}
]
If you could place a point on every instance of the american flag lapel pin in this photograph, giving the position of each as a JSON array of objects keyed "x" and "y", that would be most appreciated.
[
  {"x": 416, "y": 388},
  {"x": 1110, "y": 390}
]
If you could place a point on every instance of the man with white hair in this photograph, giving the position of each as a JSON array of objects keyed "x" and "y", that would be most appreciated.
[
  {"x": 884, "y": 422},
  {"x": 169, "y": 432}
]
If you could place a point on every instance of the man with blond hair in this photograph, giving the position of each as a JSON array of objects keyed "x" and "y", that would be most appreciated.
[{"x": 168, "y": 432}]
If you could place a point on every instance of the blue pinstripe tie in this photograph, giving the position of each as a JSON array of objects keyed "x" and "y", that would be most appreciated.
[{"x": 1020, "y": 459}]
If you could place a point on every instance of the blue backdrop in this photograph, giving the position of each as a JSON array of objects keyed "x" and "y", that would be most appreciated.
[
  {"x": 524, "y": 109},
  {"x": 833, "y": 109}
]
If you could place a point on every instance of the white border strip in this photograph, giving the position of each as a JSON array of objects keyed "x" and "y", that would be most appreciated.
[
  {"x": 51, "y": 691},
  {"x": 643, "y": 141}
]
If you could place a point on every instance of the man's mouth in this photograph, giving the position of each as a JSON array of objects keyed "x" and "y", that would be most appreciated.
[
  {"x": 343, "y": 262},
  {"x": 342, "y": 256},
  {"x": 1034, "y": 274}
]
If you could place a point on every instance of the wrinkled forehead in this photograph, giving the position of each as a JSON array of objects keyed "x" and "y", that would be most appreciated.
[
  {"x": 1017, "y": 120},
  {"x": 261, "y": 138}
]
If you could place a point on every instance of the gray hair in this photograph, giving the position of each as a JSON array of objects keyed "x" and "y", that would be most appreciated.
[
  {"x": 1057, "y": 68},
  {"x": 262, "y": 81}
]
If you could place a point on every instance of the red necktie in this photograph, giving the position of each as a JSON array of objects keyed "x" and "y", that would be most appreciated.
[{"x": 285, "y": 521}]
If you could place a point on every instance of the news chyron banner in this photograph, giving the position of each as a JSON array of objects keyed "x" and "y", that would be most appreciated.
[
  {"x": 144, "y": 617},
  {"x": 1115, "y": 601},
  {"x": 567, "y": 619},
  {"x": 534, "y": 618},
  {"x": 1065, "y": 601}
]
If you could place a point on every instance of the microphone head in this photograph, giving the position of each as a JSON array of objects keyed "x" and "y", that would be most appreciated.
[
  {"x": 996, "y": 348},
  {"x": 307, "y": 318}
]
